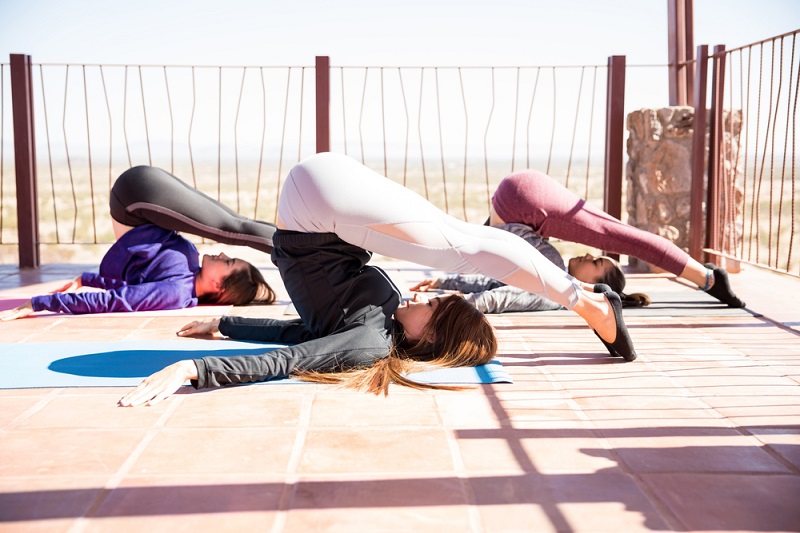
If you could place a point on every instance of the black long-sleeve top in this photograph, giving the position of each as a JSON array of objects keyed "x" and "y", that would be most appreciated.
[{"x": 345, "y": 307}]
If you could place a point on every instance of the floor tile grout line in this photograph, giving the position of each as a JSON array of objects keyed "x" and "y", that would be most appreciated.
[
  {"x": 48, "y": 327},
  {"x": 291, "y": 477},
  {"x": 32, "y": 410},
  {"x": 459, "y": 468},
  {"x": 765, "y": 447},
  {"x": 116, "y": 479},
  {"x": 664, "y": 511}
]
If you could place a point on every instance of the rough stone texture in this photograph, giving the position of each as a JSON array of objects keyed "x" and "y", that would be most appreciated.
[{"x": 659, "y": 173}]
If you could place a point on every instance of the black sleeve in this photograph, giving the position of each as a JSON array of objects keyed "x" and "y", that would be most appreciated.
[
  {"x": 264, "y": 329},
  {"x": 353, "y": 347}
]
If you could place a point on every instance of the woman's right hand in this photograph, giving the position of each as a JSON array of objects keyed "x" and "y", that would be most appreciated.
[
  {"x": 198, "y": 327},
  {"x": 425, "y": 285}
]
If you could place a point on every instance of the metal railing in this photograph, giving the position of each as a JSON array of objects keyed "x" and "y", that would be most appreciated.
[
  {"x": 450, "y": 133},
  {"x": 753, "y": 187}
]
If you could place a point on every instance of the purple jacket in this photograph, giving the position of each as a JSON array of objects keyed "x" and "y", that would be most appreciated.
[{"x": 149, "y": 268}]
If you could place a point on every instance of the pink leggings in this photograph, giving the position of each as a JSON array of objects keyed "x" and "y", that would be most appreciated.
[{"x": 534, "y": 198}]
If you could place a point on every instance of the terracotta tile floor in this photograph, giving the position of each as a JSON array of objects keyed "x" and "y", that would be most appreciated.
[{"x": 701, "y": 433}]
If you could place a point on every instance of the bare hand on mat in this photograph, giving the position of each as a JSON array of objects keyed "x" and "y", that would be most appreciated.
[
  {"x": 200, "y": 327},
  {"x": 18, "y": 312},
  {"x": 160, "y": 385}
]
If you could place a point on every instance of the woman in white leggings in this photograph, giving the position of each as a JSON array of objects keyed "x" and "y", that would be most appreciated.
[{"x": 332, "y": 193}]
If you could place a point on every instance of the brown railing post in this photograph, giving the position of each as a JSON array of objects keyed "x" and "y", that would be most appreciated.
[
  {"x": 715, "y": 136},
  {"x": 688, "y": 45},
  {"x": 323, "y": 76},
  {"x": 680, "y": 21},
  {"x": 698, "y": 155},
  {"x": 25, "y": 160},
  {"x": 615, "y": 131}
]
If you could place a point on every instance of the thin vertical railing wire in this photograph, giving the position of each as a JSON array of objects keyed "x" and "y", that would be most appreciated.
[
  {"x": 794, "y": 164},
  {"x": 407, "y": 129},
  {"x": 191, "y": 126},
  {"x": 485, "y": 145},
  {"x": 263, "y": 139},
  {"x": 516, "y": 116},
  {"x": 466, "y": 145},
  {"x": 553, "y": 131},
  {"x": 344, "y": 111},
  {"x": 530, "y": 117},
  {"x": 144, "y": 115},
  {"x": 441, "y": 140},
  {"x": 171, "y": 125},
  {"x": 589, "y": 141},
  {"x": 300, "y": 124},
  {"x": 361, "y": 114},
  {"x": 575, "y": 126},
  {"x": 383, "y": 125},
  {"x": 236, "y": 136},
  {"x": 419, "y": 132},
  {"x": 110, "y": 130},
  {"x": 49, "y": 157},
  {"x": 69, "y": 159},
  {"x": 89, "y": 150},
  {"x": 283, "y": 139},
  {"x": 219, "y": 135}
]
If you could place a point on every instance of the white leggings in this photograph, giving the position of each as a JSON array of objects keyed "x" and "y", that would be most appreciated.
[{"x": 332, "y": 193}]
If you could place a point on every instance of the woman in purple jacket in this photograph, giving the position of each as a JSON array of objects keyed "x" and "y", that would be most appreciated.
[{"x": 151, "y": 267}]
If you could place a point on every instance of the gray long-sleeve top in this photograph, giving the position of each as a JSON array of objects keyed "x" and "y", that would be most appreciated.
[
  {"x": 346, "y": 313},
  {"x": 494, "y": 297}
]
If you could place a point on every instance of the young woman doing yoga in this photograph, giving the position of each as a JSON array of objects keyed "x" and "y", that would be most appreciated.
[
  {"x": 150, "y": 266},
  {"x": 536, "y": 207},
  {"x": 333, "y": 212}
]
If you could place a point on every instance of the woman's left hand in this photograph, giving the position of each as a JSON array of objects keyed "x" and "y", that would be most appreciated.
[
  {"x": 160, "y": 385},
  {"x": 18, "y": 312}
]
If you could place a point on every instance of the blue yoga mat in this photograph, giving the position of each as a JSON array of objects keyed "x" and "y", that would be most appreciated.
[{"x": 126, "y": 363}]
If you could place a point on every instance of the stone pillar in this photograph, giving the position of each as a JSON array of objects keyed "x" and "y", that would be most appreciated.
[{"x": 659, "y": 173}]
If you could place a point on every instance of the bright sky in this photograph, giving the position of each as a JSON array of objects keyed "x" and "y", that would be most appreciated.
[{"x": 372, "y": 32}]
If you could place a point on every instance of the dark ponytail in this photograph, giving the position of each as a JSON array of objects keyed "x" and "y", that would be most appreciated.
[{"x": 615, "y": 278}]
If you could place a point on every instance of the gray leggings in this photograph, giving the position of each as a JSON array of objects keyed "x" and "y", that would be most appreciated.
[
  {"x": 332, "y": 193},
  {"x": 150, "y": 195}
]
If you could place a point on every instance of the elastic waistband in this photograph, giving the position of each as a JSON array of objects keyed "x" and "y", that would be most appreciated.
[{"x": 285, "y": 237}]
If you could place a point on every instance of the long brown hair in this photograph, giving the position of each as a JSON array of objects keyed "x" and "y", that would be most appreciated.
[
  {"x": 456, "y": 335},
  {"x": 242, "y": 287},
  {"x": 615, "y": 278}
]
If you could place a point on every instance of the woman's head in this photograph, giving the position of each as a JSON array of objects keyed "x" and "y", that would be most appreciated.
[
  {"x": 602, "y": 269},
  {"x": 454, "y": 332},
  {"x": 590, "y": 269},
  {"x": 229, "y": 281}
]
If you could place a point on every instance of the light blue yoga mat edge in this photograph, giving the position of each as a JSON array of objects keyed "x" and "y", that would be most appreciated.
[{"x": 126, "y": 363}]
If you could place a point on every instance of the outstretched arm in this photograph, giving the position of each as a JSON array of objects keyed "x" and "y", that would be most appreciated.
[
  {"x": 27, "y": 308},
  {"x": 161, "y": 385}
]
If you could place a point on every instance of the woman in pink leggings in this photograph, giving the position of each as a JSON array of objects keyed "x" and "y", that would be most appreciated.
[{"x": 535, "y": 199}]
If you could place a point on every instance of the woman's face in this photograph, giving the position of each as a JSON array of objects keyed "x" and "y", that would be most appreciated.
[
  {"x": 216, "y": 268},
  {"x": 414, "y": 315},
  {"x": 588, "y": 268}
]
